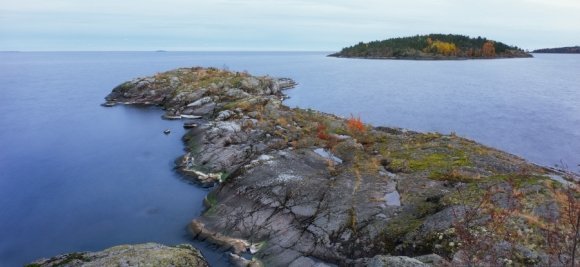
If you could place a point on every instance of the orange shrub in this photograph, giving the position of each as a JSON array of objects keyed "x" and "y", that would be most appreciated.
[
  {"x": 321, "y": 132},
  {"x": 488, "y": 49},
  {"x": 355, "y": 124}
]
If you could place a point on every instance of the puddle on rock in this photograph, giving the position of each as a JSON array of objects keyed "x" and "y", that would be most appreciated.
[
  {"x": 393, "y": 198},
  {"x": 326, "y": 154}
]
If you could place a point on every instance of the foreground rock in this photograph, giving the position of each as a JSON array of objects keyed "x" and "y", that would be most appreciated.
[
  {"x": 149, "y": 254},
  {"x": 303, "y": 188}
]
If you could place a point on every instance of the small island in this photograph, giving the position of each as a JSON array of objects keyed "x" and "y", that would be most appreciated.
[
  {"x": 559, "y": 50},
  {"x": 433, "y": 47}
]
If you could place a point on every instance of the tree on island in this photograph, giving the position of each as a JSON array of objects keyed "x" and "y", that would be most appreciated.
[{"x": 433, "y": 46}]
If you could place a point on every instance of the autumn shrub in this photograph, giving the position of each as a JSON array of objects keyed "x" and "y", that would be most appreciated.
[
  {"x": 488, "y": 49},
  {"x": 355, "y": 125},
  {"x": 322, "y": 132}
]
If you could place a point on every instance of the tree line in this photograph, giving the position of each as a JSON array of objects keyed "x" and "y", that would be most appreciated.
[{"x": 432, "y": 45}]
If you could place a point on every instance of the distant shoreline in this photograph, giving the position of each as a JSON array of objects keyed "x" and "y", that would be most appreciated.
[{"x": 559, "y": 50}]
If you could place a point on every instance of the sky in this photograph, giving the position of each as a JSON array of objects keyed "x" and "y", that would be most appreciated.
[{"x": 281, "y": 25}]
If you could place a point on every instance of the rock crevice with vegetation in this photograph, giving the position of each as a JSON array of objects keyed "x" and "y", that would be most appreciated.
[{"x": 300, "y": 187}]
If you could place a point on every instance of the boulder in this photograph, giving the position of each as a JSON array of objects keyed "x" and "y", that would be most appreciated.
[
  {"x": 433, "y": 260},
  {"x": 394, "y": 261}
]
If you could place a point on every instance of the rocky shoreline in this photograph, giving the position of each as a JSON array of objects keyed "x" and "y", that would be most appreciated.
[{"x": 296, "y": 187}]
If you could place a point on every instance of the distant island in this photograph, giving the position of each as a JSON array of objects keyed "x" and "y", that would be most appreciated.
[
  {"x": 432, "y": 46},
  {"x": 560, "y": 50}
]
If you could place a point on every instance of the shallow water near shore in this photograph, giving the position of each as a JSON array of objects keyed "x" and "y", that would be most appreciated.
[{"x": 75, "y": 176}]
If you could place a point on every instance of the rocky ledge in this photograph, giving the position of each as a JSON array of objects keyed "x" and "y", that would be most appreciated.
[
  {"x": 149, "y": 254},
  {"x": 303, "y": 188}
]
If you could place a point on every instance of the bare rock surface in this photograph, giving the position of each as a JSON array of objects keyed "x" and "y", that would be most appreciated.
[
  {"x": 395, "y": 261},
  {"x": 279, "y": 198}
]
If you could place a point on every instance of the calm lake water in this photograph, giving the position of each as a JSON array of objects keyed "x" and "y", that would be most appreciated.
[{"x": 75, "y": 176}]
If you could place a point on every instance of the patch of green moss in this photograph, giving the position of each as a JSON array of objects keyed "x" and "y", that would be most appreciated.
[
  {"x": 473, "y": 192},
  {"x": 70, "y": 258},
  {"x": 124, "y": 86},
  {"x": 236, "y": 81},
  {"x": 438, "y": 161},
  {"x": 449, "y": 175},
  {"x": 430, "y": 152},
  {"x": 395, "y": 231},
  {"x": 381, "y": 139},
  {"x": 469, "y": 195},
  {"x": 224, "y": 176},
  {"x": 190, "y": 141},
  {"x": 232, "y": 105},
  {"x": 425, "y": 208},
  {"x": 427, "y": 137},
  {"x": 210, "y": 202},
  {"x": 339, "y": 131},
  {"x": 398, "y": 165},
  {"x": 518, "y": 180}
]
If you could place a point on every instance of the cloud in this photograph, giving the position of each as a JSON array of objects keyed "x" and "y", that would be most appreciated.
[{"x": 283, "y": 24}]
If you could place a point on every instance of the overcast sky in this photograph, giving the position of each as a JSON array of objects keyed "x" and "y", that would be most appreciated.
[{"x": 276, "y": 25}]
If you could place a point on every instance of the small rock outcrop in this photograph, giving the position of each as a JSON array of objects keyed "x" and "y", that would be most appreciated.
[
  {"x": 149, "y": 254},
  {"x": 301, "y": 187},
  {"x": 395, "y": 261}
]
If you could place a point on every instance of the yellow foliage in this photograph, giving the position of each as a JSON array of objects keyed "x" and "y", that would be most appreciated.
[{"x": 444, "y": 48}]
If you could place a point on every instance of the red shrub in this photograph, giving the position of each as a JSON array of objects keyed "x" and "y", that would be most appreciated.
[
  {"x": 321, "y": 132},
  {"x": 355, "y": 124}
]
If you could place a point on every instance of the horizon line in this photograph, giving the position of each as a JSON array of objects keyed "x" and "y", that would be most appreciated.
[{"x": 160, "y": 51}]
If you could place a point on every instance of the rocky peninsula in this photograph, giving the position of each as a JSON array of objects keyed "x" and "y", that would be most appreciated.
[{"x": 298, "y": 187}]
